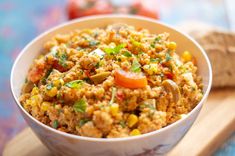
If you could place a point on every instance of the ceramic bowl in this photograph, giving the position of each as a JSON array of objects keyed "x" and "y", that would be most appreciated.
[{"x": 154, "y": 143}]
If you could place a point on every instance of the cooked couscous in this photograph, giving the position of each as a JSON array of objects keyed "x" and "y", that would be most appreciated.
[{"x": 111, "y": 82}]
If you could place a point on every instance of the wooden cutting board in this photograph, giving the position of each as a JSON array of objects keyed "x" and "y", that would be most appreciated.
[{"x": 216, "y": 122}]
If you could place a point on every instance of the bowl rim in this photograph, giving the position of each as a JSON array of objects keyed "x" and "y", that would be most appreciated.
[{"x": 73, "y": 136}]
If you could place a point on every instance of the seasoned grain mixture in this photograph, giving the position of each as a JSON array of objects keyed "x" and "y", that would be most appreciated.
[{"x": 114, "y": 82}]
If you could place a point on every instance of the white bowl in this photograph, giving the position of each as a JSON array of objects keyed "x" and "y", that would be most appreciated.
[{"x": 155, "y": 143}]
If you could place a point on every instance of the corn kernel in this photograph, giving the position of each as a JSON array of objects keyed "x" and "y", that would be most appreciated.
[
  {"x": 45, "y": 106},
  {"x": 151, "y": 68},
  {"x": 135, "y": 132},
  {"x": 49, "y": 58},
  {"x": 35, "y": 100},
  {"x": 27, "y": 104},
  {"x": 35, "y": 91},
  {"x": 186, "y": 56},
  {"x": 58, "y": 82},
  {"x": 114, "y": 108},
  {"x": 132, "y": 120},
  {"x": 171, "y": 45},
  {"x": 51, "y": 92}
]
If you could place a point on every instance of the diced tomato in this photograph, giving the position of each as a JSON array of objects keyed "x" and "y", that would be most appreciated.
[
  {"x": 79, "y": 8},
  {"x": 120, "y": 96},
  {"x": 169, "y": 75},
  {"x": 58, "y": 67},
  {"x": 130, "y": 79},
  {"x": 37, "y": 71}
]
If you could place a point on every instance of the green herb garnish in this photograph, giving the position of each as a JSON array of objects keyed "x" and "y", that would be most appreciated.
[
  {"x": 168, "y": 57},
  {"x": 55, "y": 124},
  {"x": 94, "y": 43},
  {"x": 123, "y": 124},
  {"x": 46, "y": 76},
  {"x": 135, "y": 66},
  {"x": 147, "y": 106},
  {"x": 114, "y": 91},
  {"x": 116, "y": 50},
  {"x": 77, "y": 84},
  {"x": 49, "y": 86},
  {"x": 83, "y": 121},
  {"x": 80, "y": 106},
  {"x": 154, "y": 60},
  {"x": 62, "y": 60},
  {"x": 157, "y": 39},
  {"x": 127, "y": 54}
]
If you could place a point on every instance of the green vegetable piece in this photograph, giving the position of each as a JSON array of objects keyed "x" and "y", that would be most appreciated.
[
  {"x": 135, "y": 66},
  {"x": 80, "y": 106},
  {"x": 116, "y": 50},
  {"x": 77, "y": 84},
  {"x": 127, "y": 54},
  {"x": 114, "y": 91},
  {"x": 55, "y": 124},
  {"x": 100, "y": 77}
]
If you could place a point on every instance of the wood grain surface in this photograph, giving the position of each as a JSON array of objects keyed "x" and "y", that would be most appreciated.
[{"x": 216, "y": 122}]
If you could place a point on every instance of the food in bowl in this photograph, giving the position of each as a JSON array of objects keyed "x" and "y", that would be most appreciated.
[{"x": 111, "y": 82}]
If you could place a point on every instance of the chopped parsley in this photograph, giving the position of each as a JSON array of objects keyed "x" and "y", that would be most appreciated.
[
  {"x": 80, "y": 106},
  {"x": 127, "y": 54},
  {"x": 154, "y": 60},
  {"x": 147, "y": 106},
  {"x": 135, "y": 66},
  {"x": 77, "y": 84},
  {"x": 55, "y": 124},
  {"x": 83, "y": 121},
  {"x": 63, "y": 59},
  {"x": 46, "y": 76},
  {"x": 94, "y": 43},
  {"x": 61, "y": 56},
  {"x": 115, "y": 50},
  {"x": 49, "y": 86},
  {"x": 123, "y": 124},
  {"x": 157, "y": 39},
  {"x": 168, "y": 57}
]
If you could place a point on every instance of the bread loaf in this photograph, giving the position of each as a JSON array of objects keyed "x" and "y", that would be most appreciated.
[{"x": 220, "y": 47}]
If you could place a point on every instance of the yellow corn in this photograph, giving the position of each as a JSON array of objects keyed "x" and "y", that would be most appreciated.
[
  {"x": 35, "y": 91},
  {"x": 186, "y": 56},
  {"x": 51, "y": 92},
  {"x": 135, "y": 132},
  {"x": 35, "y": 100},
  {"x": 132, "y": 120},
  {"x": 114, "y": 108},
  {"x": 58, "y": 82},
  {"x": 45, "y": 106},
  {"x": 171, "y": 45}
]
